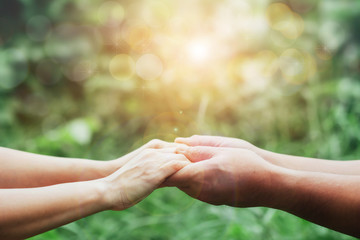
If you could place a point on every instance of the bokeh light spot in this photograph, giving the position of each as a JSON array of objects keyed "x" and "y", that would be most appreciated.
[
  {"x": 111, "y": 13},
  {"x": 78, "y": 71},
  {"x": 122, "y": 67},
  {"x": 156, "y": 14},
  {"x": 149, "y": 67},
  {"x": 297, "y": 67},
  {"x": 13, "y": 68},
  {"x": 38, "y": 27},
  {"x": 80, "y": 131},
  {"x": 138, "y": 36},
  {"x": 284, "y": 20}
]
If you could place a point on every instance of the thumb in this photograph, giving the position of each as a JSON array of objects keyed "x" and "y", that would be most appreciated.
[
  {"x": 182, "y": 178},
  {"x": 189, "y": 179}
]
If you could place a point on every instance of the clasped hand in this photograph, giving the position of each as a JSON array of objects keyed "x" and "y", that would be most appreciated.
[
  {"x": 47, "y": 192},
  {"x": 214, "y": 173}
]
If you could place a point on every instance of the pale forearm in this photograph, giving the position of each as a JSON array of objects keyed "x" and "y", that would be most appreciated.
[
  {"x": 23, "y": 170},
  {"x": 27, "y": 212},
  {"x": 311, "y": 164},
  {"x": 329, "y": 200}
]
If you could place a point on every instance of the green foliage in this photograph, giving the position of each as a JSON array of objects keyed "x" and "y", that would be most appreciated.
[{"x": 58, "y": 97}]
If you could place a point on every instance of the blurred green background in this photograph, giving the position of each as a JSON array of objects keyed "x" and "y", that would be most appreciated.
[{"x": 96, "y": 79}]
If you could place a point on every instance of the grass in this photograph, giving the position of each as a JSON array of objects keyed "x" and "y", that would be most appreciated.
[{"x": 170, "y": 214}]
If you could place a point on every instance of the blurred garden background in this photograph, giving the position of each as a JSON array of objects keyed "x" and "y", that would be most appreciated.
[{"x": 96, "y": 79}]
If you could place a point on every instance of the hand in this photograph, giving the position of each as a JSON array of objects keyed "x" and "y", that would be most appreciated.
[
  {"x": 230, "y": 176},
  {"x": 116, "y": 164},
  {"x": 140, "y": 176},
  {"x": 215, "y": 141}
]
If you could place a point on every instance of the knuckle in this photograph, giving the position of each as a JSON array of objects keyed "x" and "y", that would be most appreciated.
[
  {"x": 155, "y": 143},
  {"x": 175, "y": 165}
]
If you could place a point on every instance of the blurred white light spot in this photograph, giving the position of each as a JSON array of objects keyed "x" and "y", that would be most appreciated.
[
  {"x": 80, "y": 131},
  {"x": 149, "y": 67},
  {"x": 198, "y": 51}
]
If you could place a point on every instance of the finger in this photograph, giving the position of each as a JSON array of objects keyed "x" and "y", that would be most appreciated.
[
  {"x": 165, "y": 150},
  {"x": 176, "y": 167},
  {"x": 181, "y": 178},
  {"x": 176, "y": 163},
  {"x": 158, "y": 144},
  {"x": 165, "y": 157},
  {"x": 153, "y": 144},
  {"x": 190, "y": 179},
  {"x": 154, "y": 153},
  {"x": 188, "y": 141},
  {"x": 172, "y": 167},
  {"x": 197, "y": 140},
  {"x": 198, "y": 153}
]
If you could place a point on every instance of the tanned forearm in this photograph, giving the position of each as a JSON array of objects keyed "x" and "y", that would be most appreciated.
[
  {"x": 24, "y": 170},
  {"x": 311, "y": 164},
  {"x": 330, "y": 200},
  {"x": 27, "y": 212}
]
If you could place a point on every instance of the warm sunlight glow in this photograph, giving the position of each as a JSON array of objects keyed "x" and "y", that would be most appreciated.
[{"x": 198, "y": 51}]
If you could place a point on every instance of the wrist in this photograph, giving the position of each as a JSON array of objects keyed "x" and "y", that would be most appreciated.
[
  {"x": 281, "y": 188},
  {"x": 103, "y": 188},
  {"x": 94, "y": 192},
  {"x": 106, "y": 168},
  {"x": 269, "y": 156}
]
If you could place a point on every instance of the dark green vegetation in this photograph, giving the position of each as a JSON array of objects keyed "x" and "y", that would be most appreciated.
[{"x": 58, "y": 97}]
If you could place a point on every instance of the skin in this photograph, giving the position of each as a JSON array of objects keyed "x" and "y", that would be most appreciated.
[
  {"x": 282, "y": 160},
  {"x": 242, "y": 178},
  {"x": 26, "y": 212},
  {"x": 27, "y": 170}
]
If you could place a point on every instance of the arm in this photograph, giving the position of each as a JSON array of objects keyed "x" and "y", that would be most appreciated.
[
  {"x": 31, "y": 211},
  {"x": 312, "y": 164},
  {"x": 241, "y": 178},
  {"x": 24, "y": 170},
  {"x": 282, "y": 160},
  {"x": 330, "y": 200},
  {"x": 27, "y": 212}
]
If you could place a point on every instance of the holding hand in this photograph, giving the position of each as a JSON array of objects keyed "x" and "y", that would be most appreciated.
[
  {"x": 236, "y": 173},
  {"x": 47, "y": 192},
  {"x": 216, "y": 141},
  {"x": 235, "y": 177},
  {"x": 281, "y": 160},
  {"x": 116, "y": 164},
  {"x": 141, "y": 175}
]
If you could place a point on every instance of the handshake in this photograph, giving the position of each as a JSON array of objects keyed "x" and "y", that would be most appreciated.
[{"x": 39, "y": 193}]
